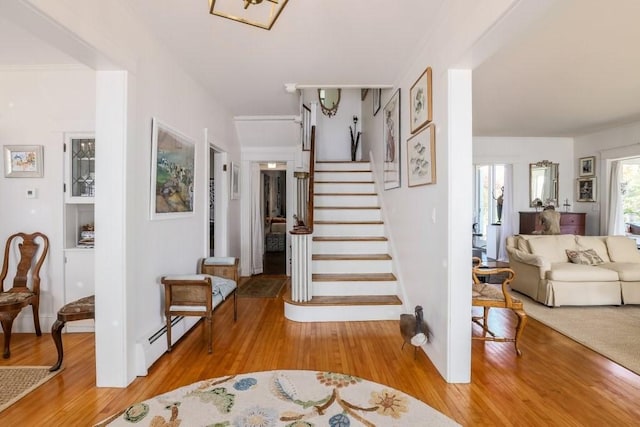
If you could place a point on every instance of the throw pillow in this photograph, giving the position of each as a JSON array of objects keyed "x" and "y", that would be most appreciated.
[{"x": 586, "y": 257}]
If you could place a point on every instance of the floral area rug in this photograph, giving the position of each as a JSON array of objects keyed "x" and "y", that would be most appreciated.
[{"x": 282, "y": 398}]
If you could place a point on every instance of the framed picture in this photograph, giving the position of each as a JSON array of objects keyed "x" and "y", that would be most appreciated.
[
  {"x": 421, "y": 101},
  {"x": 391, "y": 142},
  {"x": 587, "y": 189},
  {"x": 421, "y": 157},
  {"x": 363, "y": 94},
  {"x": 377, "y": 93},
  {"x": 23, "y": 161},
  {"x": 587, "y": 166},
  {"x": 235, "y": 181},
  {"x": 306, "y": 128},
  {"x": 172, "y": 172}
]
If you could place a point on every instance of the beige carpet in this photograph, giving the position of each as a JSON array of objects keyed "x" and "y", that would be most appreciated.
[
  {"x": 611, "y": 331},
  {"x": 18, "y": 381},
  {"x": 262, "y": 287},
  {"x": 282, "y": 398}
]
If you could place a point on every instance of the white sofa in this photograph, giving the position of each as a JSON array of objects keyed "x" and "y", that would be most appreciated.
[{"x": 545, "y": 273}]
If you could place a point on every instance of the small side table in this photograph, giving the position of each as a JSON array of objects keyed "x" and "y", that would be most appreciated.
[{"x": 81, "y": 309}]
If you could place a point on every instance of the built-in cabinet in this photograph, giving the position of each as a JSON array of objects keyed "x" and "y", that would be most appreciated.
[
  {"x": 79, "y": 229},
  {"x": 570, "y": 222}
]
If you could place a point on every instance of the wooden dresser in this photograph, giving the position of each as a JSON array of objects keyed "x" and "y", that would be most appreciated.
[{"x": 570, "y": 222}]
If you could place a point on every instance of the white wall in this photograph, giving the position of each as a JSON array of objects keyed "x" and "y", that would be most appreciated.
[
  {"x": 37, "y": 105},
  {"x": 611, "y": 144},
  {"x": 155, "y": 86},
  {"x": 333, "y": 141},
  {"x": 520, "y": 152},
  {"x": 420, "y": 219}
]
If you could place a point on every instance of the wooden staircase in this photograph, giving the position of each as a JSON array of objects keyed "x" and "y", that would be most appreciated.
[{"x": 352, "y": 271}]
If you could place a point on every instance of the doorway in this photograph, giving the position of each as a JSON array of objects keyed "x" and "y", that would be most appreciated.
[{"x": 274, "y": 202}]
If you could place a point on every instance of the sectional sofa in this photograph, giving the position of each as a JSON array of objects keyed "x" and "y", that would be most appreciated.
[{"x": 565, "y": 269}]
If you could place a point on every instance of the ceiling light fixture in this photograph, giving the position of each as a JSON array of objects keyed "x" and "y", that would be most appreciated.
[{"x": 259, "y": 13}]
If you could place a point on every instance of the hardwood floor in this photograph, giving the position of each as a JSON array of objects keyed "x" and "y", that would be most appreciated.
[{"x": 556, "y": 382}]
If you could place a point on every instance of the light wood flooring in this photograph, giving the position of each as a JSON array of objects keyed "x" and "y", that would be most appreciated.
[{"x": 556, "y": 382}]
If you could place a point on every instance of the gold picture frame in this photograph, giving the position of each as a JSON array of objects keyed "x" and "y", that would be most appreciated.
[{"x": 420, "y": 98}]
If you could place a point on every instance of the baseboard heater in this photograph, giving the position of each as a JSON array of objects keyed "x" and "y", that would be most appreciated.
[{"x": 149, "y": 349}]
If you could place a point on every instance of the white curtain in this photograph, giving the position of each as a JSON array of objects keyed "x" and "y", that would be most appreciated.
[
  {"x": 508, "y": 215},
  {"x": 615, "y": 220},
  {"x": 257, "y": 223}
]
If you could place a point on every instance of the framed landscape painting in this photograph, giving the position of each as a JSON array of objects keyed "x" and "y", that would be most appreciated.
[
  {"x": 391, "y": 142},
  {"x": 421, "y": 157},
  {"x": 172, "y": 172},
  {"x": 421, "y": 101}
]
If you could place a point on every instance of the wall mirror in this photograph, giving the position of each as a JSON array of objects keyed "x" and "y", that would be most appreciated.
[
  {"x": 329, "y": 101},
  {"x": 543, "y": 184}
]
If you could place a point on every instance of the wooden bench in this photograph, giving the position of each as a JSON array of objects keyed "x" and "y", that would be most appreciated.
[{"x": 81, "y": 309}]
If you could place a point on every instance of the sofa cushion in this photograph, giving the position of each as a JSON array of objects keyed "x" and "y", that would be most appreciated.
[
  {"x": 553, "y": 247},
  {"x": 597, "y": 243},
  {"x": 586, "y": 257},
  {"x": 568, "y": 272},
  {"x": 622, "y": 249},
  {"x": 627, "y": 271}
]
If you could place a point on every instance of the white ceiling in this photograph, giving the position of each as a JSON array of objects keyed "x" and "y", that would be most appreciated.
[{"x": 572, "y": 72}]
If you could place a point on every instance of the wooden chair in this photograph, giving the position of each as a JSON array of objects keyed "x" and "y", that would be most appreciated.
[
  {"x": 193, "y": 294},
  {"x": 489, "y": 296},
  {"x": 22, "y": 293}
]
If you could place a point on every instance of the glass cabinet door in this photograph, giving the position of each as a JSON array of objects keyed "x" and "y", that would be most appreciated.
[{"x": 80, "y": 167}]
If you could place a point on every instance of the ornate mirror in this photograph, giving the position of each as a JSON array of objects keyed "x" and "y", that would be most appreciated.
[
  {"x": 329, "y": 100},
  {"x": 543, "y": 184}
]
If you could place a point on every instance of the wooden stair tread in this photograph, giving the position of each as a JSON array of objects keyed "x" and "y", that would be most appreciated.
[
  {"x": 334, "y": 300},
  {"x": 369, "y": 277},
  {"x": 351, "y": 257},
  {"x": 345, "y": 194},
  {"x": 346, "y": 207},
  {"x": 349, "y": 222},
  {"x": 349, "y": 239}
]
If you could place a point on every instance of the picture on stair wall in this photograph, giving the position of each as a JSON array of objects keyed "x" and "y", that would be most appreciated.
[
  {"x": 391, "y": 142},
  {"x": 420, "y": 101},
  {"x": 172, "y": 172},
  {"x": 421, "y": 157}
]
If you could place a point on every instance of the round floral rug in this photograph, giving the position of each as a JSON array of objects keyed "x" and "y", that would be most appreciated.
[{"x": 282, "y": 398}]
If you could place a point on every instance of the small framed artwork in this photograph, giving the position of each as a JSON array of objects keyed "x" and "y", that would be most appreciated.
[
  {"x": 235, "y": 181},
  {"x": 391, "y": 142},
  {"x": 173, "y": 160},
  {"x": 363, "y": 94},
  {"x": 587, "y": 189},
  {"x": 421, "y": 157},
  {"x": 421, "y": 101},
  {"x": 587, "y": 166},
  {"x": 377, "y": 93},
  {"x": 23, "y": 161}
]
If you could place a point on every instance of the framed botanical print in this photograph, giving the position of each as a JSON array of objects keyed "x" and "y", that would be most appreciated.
[
  {"x": 391, "y": 142},
  {"x": 421, "y": 157},
  {"x": 587, "y": 166},
  {"x": 420, "y": 99}
]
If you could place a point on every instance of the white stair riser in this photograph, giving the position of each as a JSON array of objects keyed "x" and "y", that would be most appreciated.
[
  {"x": 346, "y": 200},
  {"x": 343, "y": 166},
  {"x": 331, "y": 187},
  {"x": 343, "y": 176},
  {"x": 354, "y": 288},
  {"x": 350, "y": 266},
  {"x": 347, "y": 215},
  {"x": 341, "y": 313},
  {"x": 351, "y": 247},
  {"x": 359, "y": 230}
]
